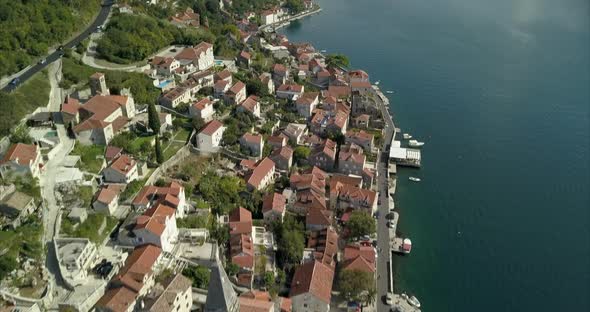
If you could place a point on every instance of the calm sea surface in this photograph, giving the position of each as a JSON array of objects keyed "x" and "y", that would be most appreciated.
[{"x": 499, "y": 91}]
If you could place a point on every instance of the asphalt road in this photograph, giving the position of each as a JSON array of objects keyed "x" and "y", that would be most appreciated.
[
  {"x": 383, "y": 261},
  {"x": 52, "y": 57}
]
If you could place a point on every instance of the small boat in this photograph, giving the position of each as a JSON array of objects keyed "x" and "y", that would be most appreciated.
[
  {"x": 323, "y": 51},
  {"x": 414, "y": 179},
  {"x": 415, "y": 143},
  {"x": 407, "y": 136},
  {"x": 414, "y": 301},
  {"x": 377, "y": 82},
  {"x": 389, "y": 92}
]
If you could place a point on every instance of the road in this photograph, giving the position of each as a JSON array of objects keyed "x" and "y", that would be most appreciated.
[
  {"x": 383, "y": 261},
  {"x": 55, "y": 55}
]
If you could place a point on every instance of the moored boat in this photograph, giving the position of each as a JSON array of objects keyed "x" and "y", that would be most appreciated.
[
  {"x": 407, "y": 136},
  {"x": 414, "y": 179},
  {"x": 415, "y": 143}
]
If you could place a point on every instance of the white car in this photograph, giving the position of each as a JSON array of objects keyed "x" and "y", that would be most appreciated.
[{"x": 389, "y": 299}]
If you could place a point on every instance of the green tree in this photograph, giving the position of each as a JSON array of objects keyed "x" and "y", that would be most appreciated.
[
  {"x": 337, "y": 60},
  {"x": 232, "y": 269},
  {"x": 198, "y": 274},
  {"x": 153, "y": 118},
  {"x": 295, "y": 6},
  {"x": 21, "y": 135},
  {"x": 361, "y": 223},
  {"x": 357, "y": 285},
  {"x": 291, "y": 242},
  {"x": 301, "y": 153},
  {"x": 159, "y": 154}
]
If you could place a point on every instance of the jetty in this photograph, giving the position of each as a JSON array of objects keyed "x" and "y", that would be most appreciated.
[{"x": 401, "y": 245}]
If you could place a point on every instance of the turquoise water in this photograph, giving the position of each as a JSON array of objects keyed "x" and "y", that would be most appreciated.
[{"x": 499, "y": 91}]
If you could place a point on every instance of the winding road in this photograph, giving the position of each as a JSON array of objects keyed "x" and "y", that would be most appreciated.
[{"x": 55, "y": 55}]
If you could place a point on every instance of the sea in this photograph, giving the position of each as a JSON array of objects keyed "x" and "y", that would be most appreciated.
[{"x": 499, "y": 92}]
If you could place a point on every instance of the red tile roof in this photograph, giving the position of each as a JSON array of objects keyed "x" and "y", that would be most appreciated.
[
  {"x": 245, "y": 55},
  {"x": 141, "y": 261},
  {"x": 275, "y": 202},
  {"x": 250, "y": 103},
  {"x": 314, "y": 278},
  {"x": 285, "y": 152},
  {"x": 159, "y": 195},
  {"x": 242, "y": 250},
  {"x": 106, "y": 196},
  {"x": 252, "y": 305},
  {"x": 252, "y": 138},
  {"x": 237, "y": 87},
  {"x": 112, "y": 152},
  {"x": 70, "y": 106},
  {"x": 202, "y": 104},
  {"x": 154, "y": 219},
  {"x": 317, "y": 216},
  {"x": 222, "y": 75},
  {"x": 279, "y": 68},
  {"x": 195, "y": 52},
  {"x": 117, "y": 299},
  {"x": 123, "y": 164},
  {"x": 307, "y": 98},
  {"x": 240, "y": 221},
  {"x": 23, "y": 154},
  {"x": 261, "y": 171},
  {"x": 290, "y": 87},
  {"x": 212, "y": 127}
]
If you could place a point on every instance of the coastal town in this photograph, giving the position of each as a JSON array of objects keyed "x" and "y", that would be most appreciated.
[{"x": 259, "y": 177}]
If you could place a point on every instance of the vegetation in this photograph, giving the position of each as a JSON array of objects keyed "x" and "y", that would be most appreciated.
[
  {"x": 300, "y": 154},
  {"x": 132, "y": 38},
  {"x": 193, "y": 221},
  {"x": 24, "y": 241},
  {"x": 361, "y": 223},
  {"x": 237, "y": 124},
  {"x": 20, "y": 134},
  {"x": 159, "y": 154},
  {"x": 132, "y": 188},
  {"x": 221, "y": 192},
  {"x": 232, "y": 269},
  {"x": 29, "y": 28},
  {"x": 16, "y": 105},
  {"x": 85, "y": 193},
  {"x": 91, "y": 157},
  {"x": 290, "y": 242},
  {"x": 89, "y": 228},
  {"x": 198, "y": 274},
  {"x": 141, "y": 86},
  {"x": 357, "y": 286},
  {"x": 295, "y": 6},
  {"x": 337, "y": 60}
]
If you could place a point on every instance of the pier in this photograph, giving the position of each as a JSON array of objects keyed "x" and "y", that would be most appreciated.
[{"x": 401, "y": 245}]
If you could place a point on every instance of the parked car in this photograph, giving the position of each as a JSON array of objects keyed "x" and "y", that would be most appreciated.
[{"x": 42, "y": 61}]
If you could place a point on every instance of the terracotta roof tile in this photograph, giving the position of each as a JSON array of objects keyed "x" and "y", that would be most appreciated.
[{"x": 314, "y": 278}]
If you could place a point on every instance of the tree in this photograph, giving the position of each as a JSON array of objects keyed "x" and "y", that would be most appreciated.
[
  {"x": 337, "y": 60},
  {"x": 21, "y": 135},
  {"x": 301, "y": 153},
  {"x": 159, "y": 155},
  {"x": 199, "y": 275},
  {"x": 153, "y": 118},
  {"x": 232, "y": 269},
  {"x": 357, "y": 285},
  {"x": 291, "y": 241},
  {"x": 295, "y": 6},
  {"x": 361, "y": 223},
  {"x": 256, "y": 87}
]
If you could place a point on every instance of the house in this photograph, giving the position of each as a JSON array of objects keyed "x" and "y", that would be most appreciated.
[
  {"x": 307, "y": 103},
  {"x": 165, "y": 122},
  {"x": 339, "y": 92},
  {"x": 102, "y": 117},
  {"x": 210, "y": 137},
  {"x": 171, "y": 195},
  {"x": 174, "y": 97},
  {"x": 280, "y": 74},
  {"x": 186, "y": 18},
  {"x": 266, "y": 79},
  {"x": 262, "y": 176},
  {"x": 359, "y": 256},
  {"x": 268, "y": 17},
  {"x": 245, "y": 58},
  {"x": 220, "y": 87},
  {"x": 202, "y": 110},
  {"x": 323, "y": 155},
  {"x": 251, "y": 105},
  {"x": 351, "y": 160},
  {"x": 311, "y": 288},
  {"x": 277, "y": 141},
  {"x": 70, "y": 110},
  {"x": 165, "y": 66},
  {"x": 74, "y": 258},
  {"x": 273, "y": 207},
  {"x": 322, "y": 245},
  {"x": 310, "y": 190},
  {"x": 134, "y": 279},
  {"x": 254, "y": 143},
  {"x": 283, "y": 157},
  {"x": 106, "y": 201},
  {"x": 236, "y": 94},
  {"x": 21, "y": 159},
  {"x": 225, "y": 75},
  {"x": 358, "y": 76},
  {"x": 174, "y": 294},
  {"x": 112, "y": 152},
  {"x": 361, "y": 87},
  {"x": 361, "y": 138},
  {"x": 121, "y": 170},
  {"x": 15, "y": 205},
  {"x": 290, "y": 91},
  {"x": 157, "y": 226},
  {"x": 344, "y": 195},
  {"x": 295, "y": 132},
  {"x": 361, "y": 121},
  {"x": 318, "y": 219},
  {"x": 199, "y": 57},
  {"x": 241, "y": 244},
  {"x": 325, "y": 122}
]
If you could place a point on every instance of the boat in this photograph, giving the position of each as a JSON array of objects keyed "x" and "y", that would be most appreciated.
[
  {"x": 377, "y": 82},
  {"x": 323, "y": 51},
  {"x": 407, "y": 136},
  {"x": 414, "y": 179},
  {"x": 414, "y": 301},
  {"x": 415, "y": 143},
  {"x": 389, "y": 92}
]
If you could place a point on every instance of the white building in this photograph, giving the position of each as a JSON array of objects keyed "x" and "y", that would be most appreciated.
[
  {"x": 199, "y": 57},
  {"x": 75, "y": 256},
  {"x": 157, "y": 226},
  {"x": 262, "y": 175},
  {"x": 122, "y": 170},
  {"x": 311, "y": 289},
  {"x": 203, "y": 110},
  {"x": 210, "y": 137},
  {"x": 107, "y": 201},
  {"x": 174, "y": 294}
]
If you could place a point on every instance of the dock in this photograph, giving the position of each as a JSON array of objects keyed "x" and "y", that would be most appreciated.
[
  {"x": 401, "y": 303},
  {"x": 401, "y": 245},
  {"x": 403, "y": 156}
]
